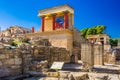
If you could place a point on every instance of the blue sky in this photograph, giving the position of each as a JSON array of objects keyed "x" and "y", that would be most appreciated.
[{"x": 88, "y": 13}]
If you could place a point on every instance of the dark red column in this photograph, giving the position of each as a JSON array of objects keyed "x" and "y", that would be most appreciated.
[
  {"x": 23, "y": 31},
  {"x": 66, "y": 20},
  {"x": 32, "y": 29},
  {"x": 54, "y": 17},
  {"x": 43, "y": 20}
]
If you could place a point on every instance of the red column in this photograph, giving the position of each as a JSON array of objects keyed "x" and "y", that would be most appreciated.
[
  {"x": 66, "y": 20},
  {"x": 32, "y": 29},
  {"x": 43, "y": 20},
  {"x": 89, "y": 40},
  {"x": 54, "y": 17},
  {"x": 24, "y": 31},
  {"x": 94, "y": 39}
]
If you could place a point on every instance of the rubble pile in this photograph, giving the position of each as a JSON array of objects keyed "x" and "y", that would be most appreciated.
[{"x": 112, "y": 57}]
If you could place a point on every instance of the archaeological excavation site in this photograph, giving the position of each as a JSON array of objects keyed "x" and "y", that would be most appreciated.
[{"x": 57, "y": 51}]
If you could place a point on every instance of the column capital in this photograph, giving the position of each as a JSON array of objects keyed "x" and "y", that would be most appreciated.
[
  {"x": 66, "y": 24},
  {"x": 66, "y": 12},
  {"x": 54, "y": 14},
  {"x": 43, "y": 16}
]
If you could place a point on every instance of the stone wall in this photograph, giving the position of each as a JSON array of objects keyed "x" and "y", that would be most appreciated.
[
  {"x": 57, "y": 38},
  {"x": 36, "y": 56},
  {"x": 77, "y": 41},
  {"x": 77, "y": 37},
  {"x": 61, "y": 40},
  {"x": 10, "y": 62}
]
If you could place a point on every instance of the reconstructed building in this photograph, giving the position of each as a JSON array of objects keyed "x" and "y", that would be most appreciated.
[
  {"x": 57, "y": 25},
  {"x": 100, "y": 39}
]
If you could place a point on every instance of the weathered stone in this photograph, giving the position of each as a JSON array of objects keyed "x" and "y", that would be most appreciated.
[
  {"x": 98, "y": 55},
  {"x": 18, "y": 61},
  {"x": 2, "y": 56},
  {"x": 5, "y": 62},
  {"x": 1, "y": 63},
  {"x": 8, "y": 61},
  {"x": 26, "y": 58},
  {"x": 11, "y": 61},
  {"x": 15, "y": 67},
  {"x": 87, "y": 50}
]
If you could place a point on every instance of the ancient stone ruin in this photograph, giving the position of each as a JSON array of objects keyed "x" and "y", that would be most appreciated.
[
  {"x": 37, "y": 56},
  {"x": 57, "y": 40}
]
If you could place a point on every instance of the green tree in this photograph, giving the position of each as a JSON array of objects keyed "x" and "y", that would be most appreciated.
[
  {"x": 113, "y": 42},
  {"x": 90, "y": 31},
  {"x": 84, "y": 31},
  {"x": 100, "y": 29},
  {"x": 93, "y": 30}
]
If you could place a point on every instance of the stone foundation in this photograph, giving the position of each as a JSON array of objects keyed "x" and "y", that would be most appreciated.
[{"x": 58, "y": 38}]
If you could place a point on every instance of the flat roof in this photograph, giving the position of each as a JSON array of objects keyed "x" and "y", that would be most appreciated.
[
  {"x": 97, "y": 35},
  {"x": 56, "y": 9}
]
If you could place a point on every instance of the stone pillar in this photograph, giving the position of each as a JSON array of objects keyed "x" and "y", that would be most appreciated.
[
  {"x": 105, "y": 40},
  {"x": 98, "y": 55},
  {"x": 66, "y": 20},
  {"x": 43, "y": 22},
  {"x": 54, "y": 17},
  {"x": 87, "y": 56}
]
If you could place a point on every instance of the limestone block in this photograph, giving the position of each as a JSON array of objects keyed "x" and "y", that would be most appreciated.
[
  {"x": 16, "y": 56},
  {"x": 8, "y": 61},
  {"x": 18, "y": 61},
  {"x": 11, "y": 61},
  {"x": 11, "y": 55},
  {"x": 7, "y": 56},
  {"x": 15, "y": 67},
  {"x": 1, "y": 63},
  {"x": 5, "y": 62},
  {"x": 2, "y": 56}
]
